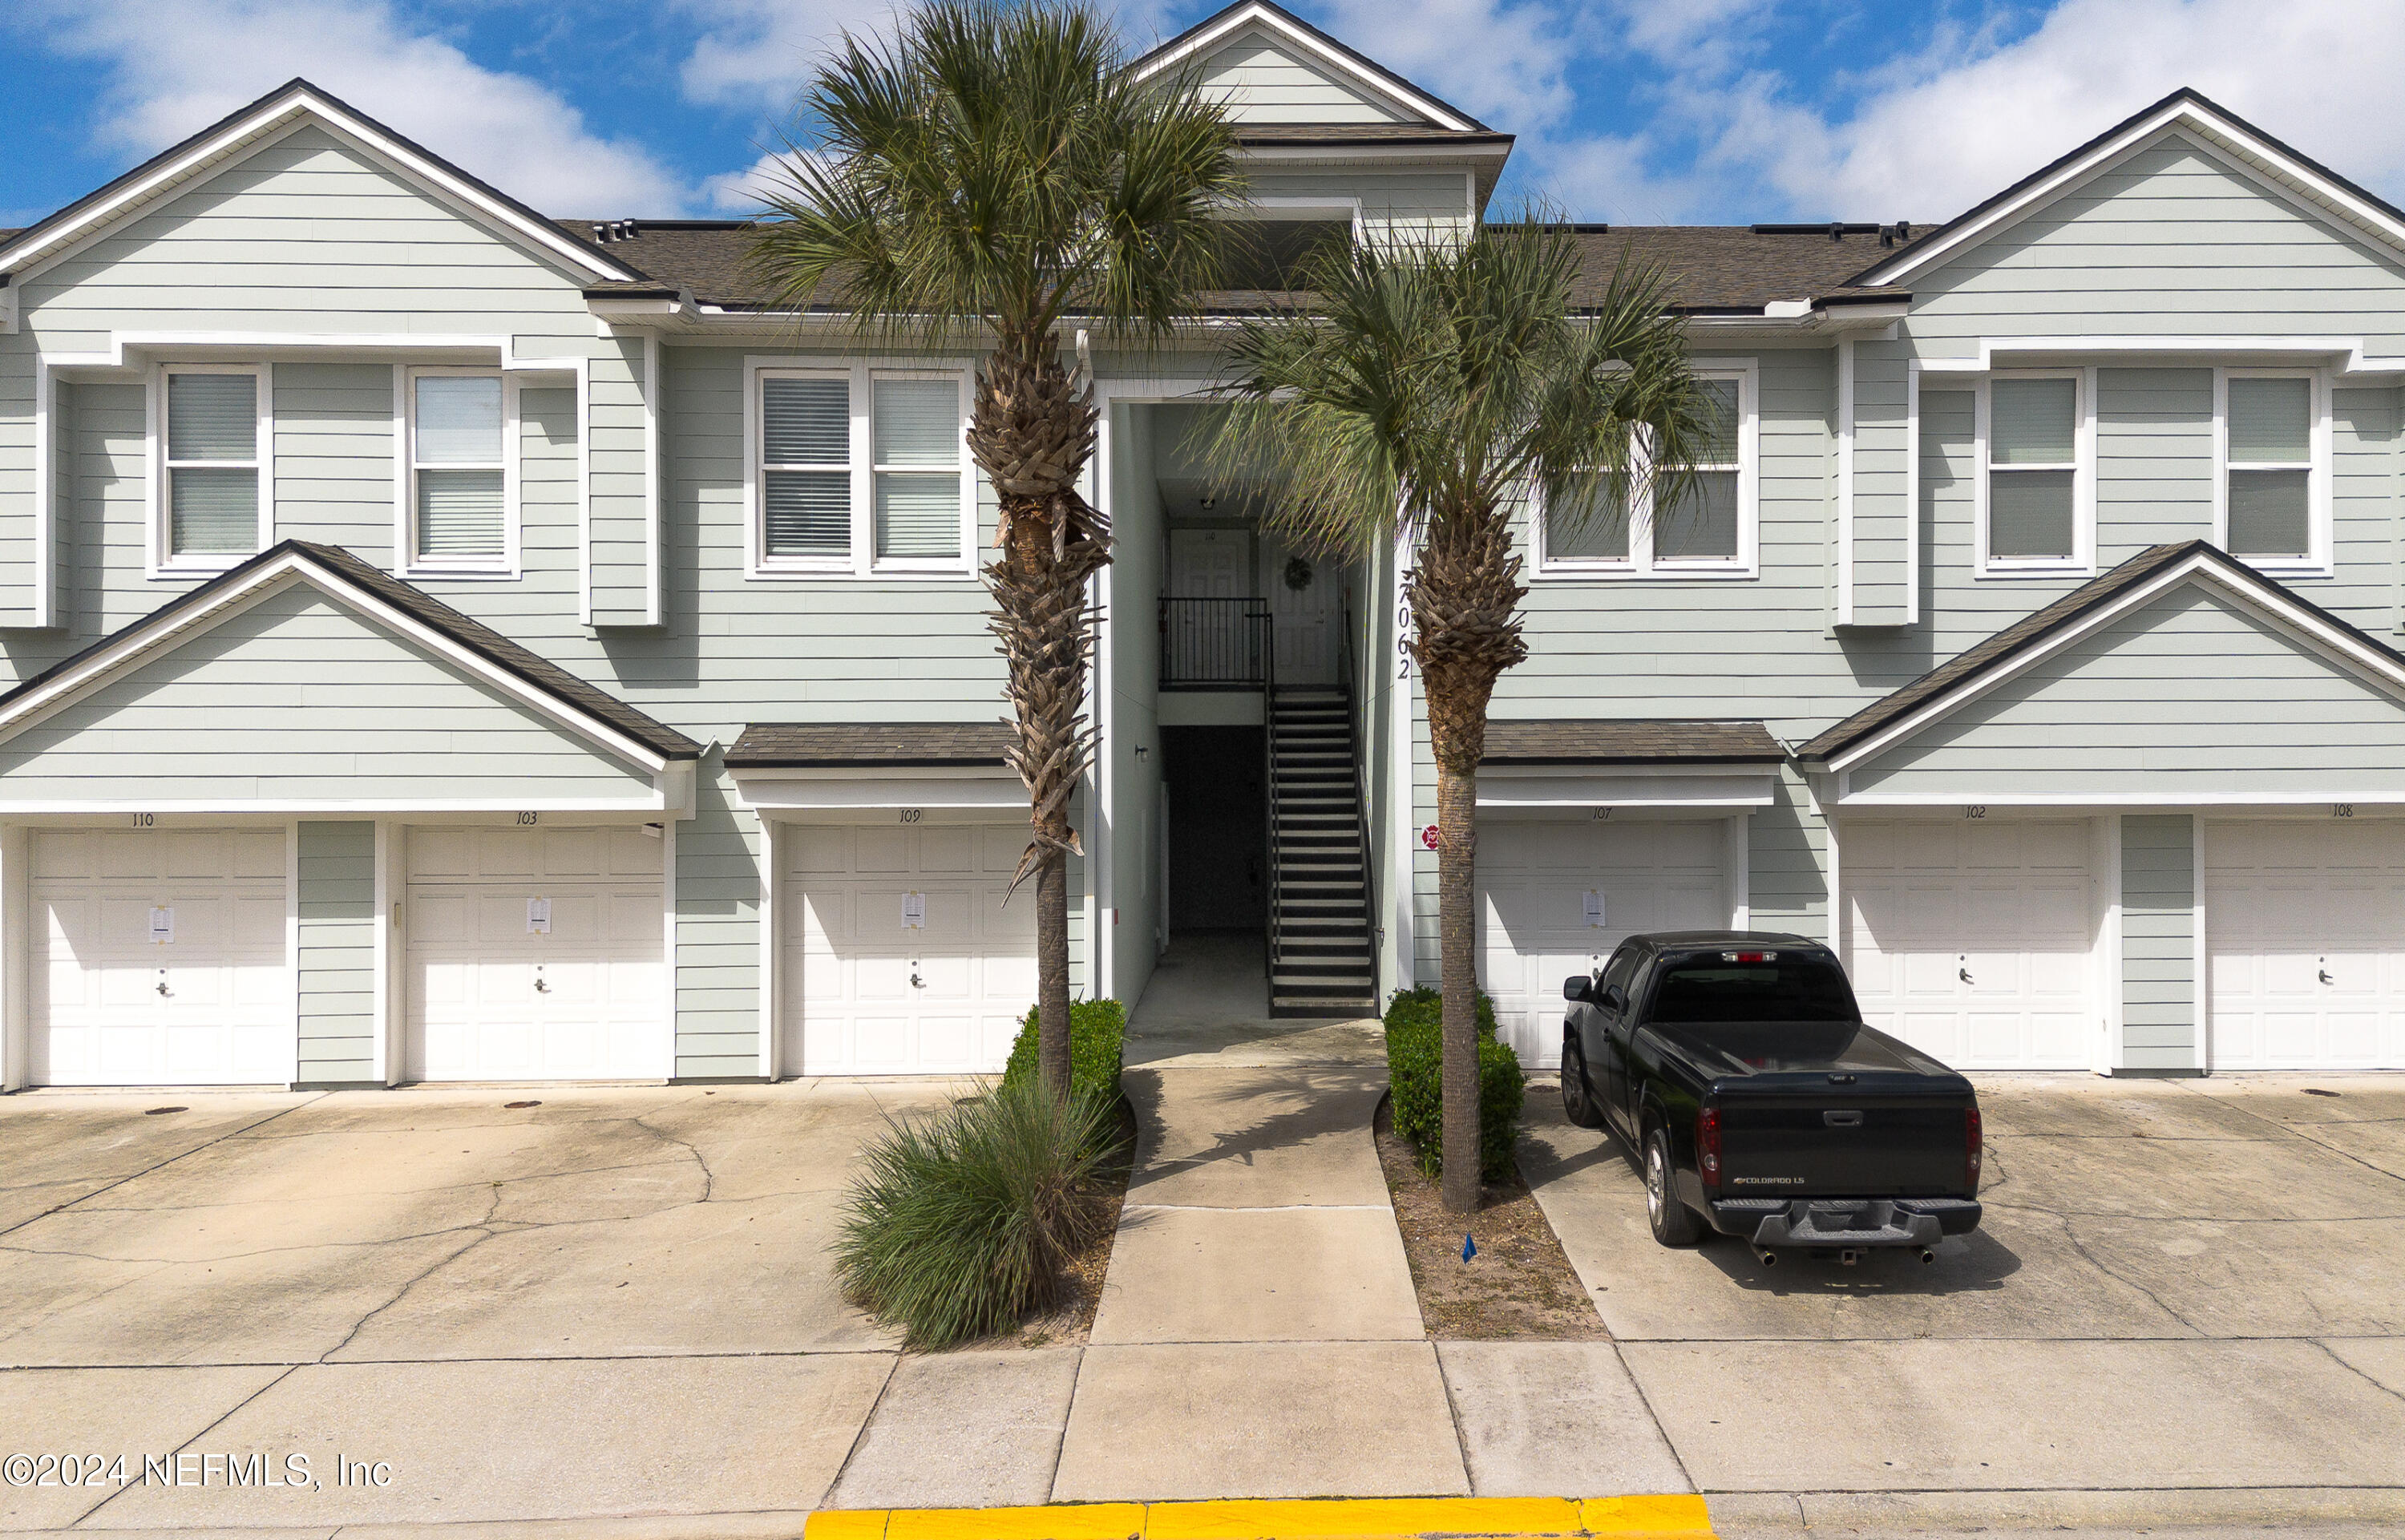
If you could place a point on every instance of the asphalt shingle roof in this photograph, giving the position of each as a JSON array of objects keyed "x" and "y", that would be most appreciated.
[
  {"x": 1570, "y": 741},
  {"x": 805, "y": 745}
]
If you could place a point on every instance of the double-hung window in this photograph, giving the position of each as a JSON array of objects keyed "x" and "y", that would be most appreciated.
[
  {"x": 1708, "y": 531},
  {"x": 2036, "y": 505},
  {"x": 2273, "y": 490},
  {"x": 456, "y": 498},
  {"x": 860, "y": 470},
  {"x": 213, "y": 501}
]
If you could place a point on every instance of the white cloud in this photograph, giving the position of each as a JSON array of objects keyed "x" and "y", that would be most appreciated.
[
  {"x": 1507, "y": 64},
  {"x": 758, "y": 54},
  {"x": 1948, "y": 132},
  {"x": 178, "y": 65}
]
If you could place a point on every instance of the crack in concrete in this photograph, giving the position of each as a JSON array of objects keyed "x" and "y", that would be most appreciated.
[
  {"x": 161, "y": 1166},
  {"x": 2336, "y": 1358},
  {"x": 187, "y": 1443},
  {"x": 383, "y": 1193},
  {"x": 708, "y": 1178},
  {"x": 2291, "y": 1130},
  {"x": 483, "y": 1234}
]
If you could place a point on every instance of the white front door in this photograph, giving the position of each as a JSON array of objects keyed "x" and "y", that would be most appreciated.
[
  {"x": 1555, "y": 897},
  {"x": 1305, "y": 622},
  {"x": 900, "y": 956},
  {"x": 536, "y": 953},
  {"x": 160, "y": 958},
  {"x": 2305, "y": 936},
  {"x": 1972, "y": 939}
]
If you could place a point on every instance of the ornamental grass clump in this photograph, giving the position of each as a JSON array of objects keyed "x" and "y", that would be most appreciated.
[{"x": 964, "y": 1222}]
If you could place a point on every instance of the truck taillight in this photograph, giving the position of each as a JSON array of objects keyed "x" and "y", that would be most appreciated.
[
  {"x": 1974, "y": 1148},
  {"x": 1707, "y": 1145}
]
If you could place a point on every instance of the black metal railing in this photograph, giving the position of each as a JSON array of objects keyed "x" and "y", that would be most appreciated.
[
  {"x": 1273, "y": 855},
  {"x": 1359, "y": 692},
  {"x": 1214, "y": 644}
]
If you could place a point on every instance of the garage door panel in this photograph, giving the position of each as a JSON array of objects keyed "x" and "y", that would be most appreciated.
[
  {"x": 876, "y": 997},
  {"x": 1973, "y": 940},
  {"x": 2305, "y": 926}
]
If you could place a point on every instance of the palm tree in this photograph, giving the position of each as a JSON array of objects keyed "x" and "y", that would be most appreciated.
[
  {"x": 1431, "y": 386},
  {"x": 996, "y": 170}
]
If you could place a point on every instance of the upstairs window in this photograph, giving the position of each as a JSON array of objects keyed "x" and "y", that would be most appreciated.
[
  {"x": 859, "y": 471},
  {"x": 1708, "y": 531},
  {"x": 457, "y": 494},
  {"x": 2035, "y": 514},
  {"x": 2274, "y": 471},
  {"x": 213, "y": 507}
]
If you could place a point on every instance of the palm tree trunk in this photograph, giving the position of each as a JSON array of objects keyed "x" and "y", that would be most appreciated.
[
  {"x": 1465, "y": 596},
  {"x": 1031, "y": 431}
]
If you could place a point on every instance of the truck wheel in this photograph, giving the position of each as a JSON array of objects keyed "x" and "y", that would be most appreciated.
[
  {"x": 1674, "y": 1223},
  {"x": 1578, "y": 1100}
]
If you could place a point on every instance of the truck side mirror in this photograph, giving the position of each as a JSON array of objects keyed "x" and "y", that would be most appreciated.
[{"x": 1578, "y": 989}]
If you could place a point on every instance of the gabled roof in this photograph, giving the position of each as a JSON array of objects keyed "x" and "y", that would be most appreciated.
[
  {"x": 469, "y": 644},
  {"x": 2081, "y": 613},
  {"x": 288, "y": 105},
  {"x": 890, "y": 745},
  {"x": 1313, "y": 44},
  {"x": 2183, "y": 110}
]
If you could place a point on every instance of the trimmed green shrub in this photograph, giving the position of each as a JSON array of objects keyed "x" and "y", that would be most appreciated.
[
  {"x": 1416, "y": 1077},
  {"x": 962, "y": 1221},
  {"x": 1097, "y": 1047}
]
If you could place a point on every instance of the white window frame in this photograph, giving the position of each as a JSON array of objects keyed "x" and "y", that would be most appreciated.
[
  {"x": 1641, "y": 564},
  {"x": 163, "y": 562},
  {"x": 2081, "y": 562},
  {"x": 508, "y": 564},
  {"x": 2319, "y": 559},
  {"x": 862, "y": 562}
]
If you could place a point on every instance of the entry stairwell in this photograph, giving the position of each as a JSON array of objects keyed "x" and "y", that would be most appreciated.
[{"x": 1321, "y": 958}]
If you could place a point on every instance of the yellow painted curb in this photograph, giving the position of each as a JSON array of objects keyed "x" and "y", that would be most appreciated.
[{"x": 1638, "y": 1518}]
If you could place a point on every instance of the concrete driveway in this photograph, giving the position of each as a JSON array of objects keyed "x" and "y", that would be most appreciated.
[
  {"x": 617, "y": 1301},
  {"x": 2180, "y": 1285}
]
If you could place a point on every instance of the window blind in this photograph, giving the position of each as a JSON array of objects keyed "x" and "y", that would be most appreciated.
[
  {"x": 2030, "y": 513},
  {"x": 806, "y": 422},
  {"x": 808, "y": 512},
  {"x": 2032, "y": 422},
  {"x": 213, "y": 510},
  {"x": 918, "y": 422},
  {"x": 2270, "y": 511},
  {"x": 460, "y": 513},
  {"x": 458, "y": 419},
  {"x": 212, "y": 416},
  {"x": 917, "y": 514},
  {"x": 1702, "y": 524},
  {"x": 1722, "y": 447},
  {"x": 1587, "y": 523},
  {"x": 2271, "y": 420}
]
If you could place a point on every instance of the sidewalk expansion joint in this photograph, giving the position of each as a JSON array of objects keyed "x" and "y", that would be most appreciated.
[{"x": 1667, "y": 1517}]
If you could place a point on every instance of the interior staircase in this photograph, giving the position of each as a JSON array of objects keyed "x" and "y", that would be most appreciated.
[{"x": 1321, "y": 958}]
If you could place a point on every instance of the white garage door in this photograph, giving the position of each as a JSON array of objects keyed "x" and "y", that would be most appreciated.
[
  {"x": 2305, "y": 936},
  {"x": 1972, "y": 939},
  {"x": 535, "y": 954},
  {"x": 1535, "y": 926},
  {"x": 900, "y": 956},
  {"x": 160, "y": 958}
]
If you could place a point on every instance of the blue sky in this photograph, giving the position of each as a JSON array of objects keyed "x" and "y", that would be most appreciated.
[{"x": 1636, "y": 111}]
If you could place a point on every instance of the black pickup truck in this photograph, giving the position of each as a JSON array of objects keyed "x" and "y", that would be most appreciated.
[{"x": 1737, "y": 1067}]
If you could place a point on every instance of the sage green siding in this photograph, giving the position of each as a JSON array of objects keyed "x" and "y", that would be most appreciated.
[
  {"x": 336, "y": 984},
  {"x": 720, "y": 971},
  {"x": 299, "y": 698},
  {"x": 1880, "y": 522},
  {"x": 2160, "y": 995},
  {"x": 2190, "y": 695},
  {"x": 1262, "y": 83}
]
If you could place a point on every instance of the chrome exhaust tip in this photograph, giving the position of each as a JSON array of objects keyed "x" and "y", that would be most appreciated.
[
  {"x": 1927, "y": 1256},
  {"x": 1770, "y": 1257}
]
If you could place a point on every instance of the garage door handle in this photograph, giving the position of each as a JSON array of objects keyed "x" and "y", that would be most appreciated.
[
  {"x": 540, "y": 987},
  {"x": 1963, "y": 973},
  {"x": 164, "y": 990},
  {"x": 2326, "y": 978}
]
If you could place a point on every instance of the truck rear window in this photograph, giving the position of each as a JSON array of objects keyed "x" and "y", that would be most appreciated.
[{"x": 1707, "y": 991}]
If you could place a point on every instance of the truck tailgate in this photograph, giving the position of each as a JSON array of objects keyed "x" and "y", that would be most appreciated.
[{"x": 1832, "y": 1142}]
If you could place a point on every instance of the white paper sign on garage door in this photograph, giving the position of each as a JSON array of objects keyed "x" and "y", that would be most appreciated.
[
  {"x": 1544, "y": 887},
  {"x": 899, "y": 955},
  {"x": 160, "y": 958},
  {"x": 2305, "y": 931},
  {"x": 1972, "y": 940},
  {"x": 536, "y": 953}
]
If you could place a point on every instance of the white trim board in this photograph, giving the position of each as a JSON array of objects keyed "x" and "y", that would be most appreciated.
[
  {"x": 2302, "y": 622},
  {"x": 273, "y": 117}
]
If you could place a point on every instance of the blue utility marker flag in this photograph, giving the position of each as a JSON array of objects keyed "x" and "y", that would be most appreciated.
[{"x": 1469, "y": 1246}]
